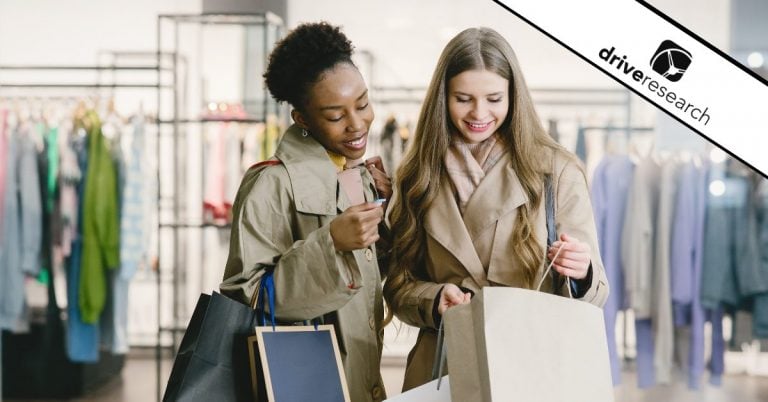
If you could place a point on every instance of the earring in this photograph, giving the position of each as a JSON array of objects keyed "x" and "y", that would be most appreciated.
[{"x": 304, "y": 132}]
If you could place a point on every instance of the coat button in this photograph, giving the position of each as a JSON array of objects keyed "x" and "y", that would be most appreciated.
[
  {"x": 377, "y": 393},
  {"x": 368, "y": 254}
]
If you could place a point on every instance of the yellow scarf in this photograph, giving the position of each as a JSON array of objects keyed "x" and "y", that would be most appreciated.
[{"x": 338, "y": 160}]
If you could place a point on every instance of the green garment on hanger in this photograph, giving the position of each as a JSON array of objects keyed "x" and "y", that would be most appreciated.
[{"x": 101, "y": 228}]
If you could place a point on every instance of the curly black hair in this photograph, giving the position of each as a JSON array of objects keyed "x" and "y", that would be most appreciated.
[{"x": 299, "y": 59}]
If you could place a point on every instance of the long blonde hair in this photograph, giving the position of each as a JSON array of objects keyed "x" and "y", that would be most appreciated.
[{"x": 422, "y": 170}]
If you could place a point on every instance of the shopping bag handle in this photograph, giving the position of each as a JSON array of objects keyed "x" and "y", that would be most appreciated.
[
  {"x": 549, "y": 268},
  {"x": 437, "y": 366},
  {"x": 267, "y": 288}
]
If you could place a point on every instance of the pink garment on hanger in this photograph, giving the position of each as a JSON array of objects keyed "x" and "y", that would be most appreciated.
[{"x": 214, "y": 192}]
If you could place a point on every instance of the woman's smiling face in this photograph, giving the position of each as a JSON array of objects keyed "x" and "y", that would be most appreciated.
[
  {"x": 478, "y": 103},
  {"x": 337, "y": 112}
]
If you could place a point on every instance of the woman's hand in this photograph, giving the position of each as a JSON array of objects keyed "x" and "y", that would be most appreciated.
[
  {"x": 451, "y": 296},
  {"x": 381, "y": 181},
  {"x": 357, "y": 227},
  {"x": 573, "y": 260}
]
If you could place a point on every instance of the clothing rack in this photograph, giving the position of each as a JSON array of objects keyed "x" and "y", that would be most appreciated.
[
  {"x": 99, "y": 83},
  {"x": 96, "y": 375},
  {"x": 173, "y": 117}
]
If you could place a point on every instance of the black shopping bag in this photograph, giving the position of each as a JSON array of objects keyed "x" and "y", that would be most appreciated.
[{"x": 212, "y": 363}]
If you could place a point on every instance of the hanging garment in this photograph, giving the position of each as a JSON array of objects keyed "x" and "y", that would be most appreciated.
[
  {"x": 100, "y": 227},
  {"x": 113, "y": 130},
  {"x": 387, "y": 144},
  {"x": 661, "y": 305},
  {"x": 252, "y": 140},
  {"x": 723, "y": 210},
  {"x": 638, "y": 248},
  {"x": 52, "y": 154},
  {"x": 22, "y": 231},
  {"x": 271, "y": 136},
  {"x": 64, "y": 235},
  {"x": 610, "y": 184},
  {"x": 3, "y": 166},
  {"x": 213, "y": 203},
  {"x": 133, "y": 234},
  {"x": 69, "y": 177},
  {"x": 581, "y": 145},
  {"x": 646, "y": 371},
  {"x": 233, "y": 172},
  {"x": 82, "y": 337},
  {"x": 47, "y": 165},
  {"x": 3, "y": 156},
  {"x": 751, "y": 274},
  {"x": 639, "y": 236},
  {"x": 689, "y": 250},
  {"x": 760, "y": 310}
]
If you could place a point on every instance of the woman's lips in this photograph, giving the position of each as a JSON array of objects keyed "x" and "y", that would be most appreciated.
[
  {"x": 357, "y": 144},
  {"x": 478, "y": 127}
]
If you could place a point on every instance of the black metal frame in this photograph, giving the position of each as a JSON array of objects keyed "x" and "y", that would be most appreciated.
[{"x": 264, "y": 20}]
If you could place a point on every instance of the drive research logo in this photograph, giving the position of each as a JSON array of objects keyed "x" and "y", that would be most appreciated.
[
  {"x": 671, "y": 60},
  {"x": 672, "y": 70}
]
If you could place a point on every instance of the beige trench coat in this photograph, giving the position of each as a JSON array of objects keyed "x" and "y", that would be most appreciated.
[
  {"x": 476, "y": 251},
  {"x": 282, "y": 217}
]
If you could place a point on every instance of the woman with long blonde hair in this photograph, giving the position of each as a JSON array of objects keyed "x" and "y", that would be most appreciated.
[{"x": 468, "y": 209}]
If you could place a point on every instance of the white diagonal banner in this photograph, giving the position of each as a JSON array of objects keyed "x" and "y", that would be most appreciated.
[{"x": 664, "y": 63}]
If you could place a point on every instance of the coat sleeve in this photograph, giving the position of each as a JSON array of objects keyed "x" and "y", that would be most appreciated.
[
  {"x": 417, "y": 301},
  {"x": 311, "y": 277},
  {"x": 574, "y": 217}
]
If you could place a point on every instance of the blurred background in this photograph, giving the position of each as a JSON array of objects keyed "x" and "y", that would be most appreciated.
[{"x": 176, "y": 87}]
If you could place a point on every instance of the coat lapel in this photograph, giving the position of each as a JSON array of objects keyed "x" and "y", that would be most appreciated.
[
  {"x": 312, "y": 174},
  {"x": 444, "y": 223},
  {"x": 498, "y": 194}
]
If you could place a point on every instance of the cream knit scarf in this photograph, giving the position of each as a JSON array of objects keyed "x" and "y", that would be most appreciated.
[{"x": 467, "y": 165}]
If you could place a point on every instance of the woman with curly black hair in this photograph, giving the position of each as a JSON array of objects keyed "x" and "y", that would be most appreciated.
[{"x": 291, "y": 213}]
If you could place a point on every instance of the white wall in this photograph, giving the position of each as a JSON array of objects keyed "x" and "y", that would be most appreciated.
[{"x": 73, "y": 31}]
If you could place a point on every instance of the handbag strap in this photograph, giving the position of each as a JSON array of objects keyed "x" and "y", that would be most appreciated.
[{"x": 549, "y": 206}]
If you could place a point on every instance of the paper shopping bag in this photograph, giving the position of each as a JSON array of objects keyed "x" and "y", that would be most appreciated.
[
  {"x": 428, "y": 392},
  {"x": 299, "y": 363},
  {"x": 512, "y": 344},
  {"x": 292, "y": 363},
  {"x": 212, "y": 363}
]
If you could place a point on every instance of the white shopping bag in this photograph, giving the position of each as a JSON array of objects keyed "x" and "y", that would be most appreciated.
[
  {"x": 426, "y": 393},
  {"x": 512, "y": 344}
]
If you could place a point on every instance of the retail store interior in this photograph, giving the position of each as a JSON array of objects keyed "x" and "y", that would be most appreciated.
[{"x": 178, "y": 89}]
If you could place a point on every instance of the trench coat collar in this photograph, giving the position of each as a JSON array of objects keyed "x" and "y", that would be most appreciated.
[
  {"x": 498, "y": 194},
  {"x": 312, "y": 174}
]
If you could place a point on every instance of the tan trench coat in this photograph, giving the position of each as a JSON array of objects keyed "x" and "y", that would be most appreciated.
[
  {"x": 282, "y": 217},
  {"x": 476, "y": 251}
]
